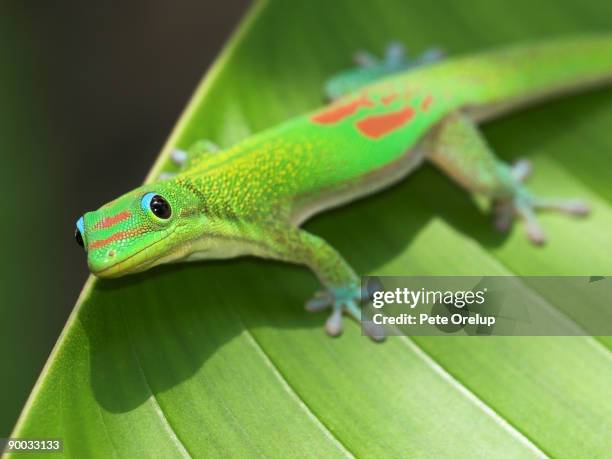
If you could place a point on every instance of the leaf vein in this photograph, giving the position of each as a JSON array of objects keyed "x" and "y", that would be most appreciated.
[
  {"x": 182, "y": 449},
  {"x": 472, "y": 397},
  {"x": 294, "y": 394}
]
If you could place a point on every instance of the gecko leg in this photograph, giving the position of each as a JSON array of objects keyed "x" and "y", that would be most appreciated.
[
  {"x": 342, "y": 292},
  {"x": 370, "y": 68},
  {"x": 458, "y": 148}
]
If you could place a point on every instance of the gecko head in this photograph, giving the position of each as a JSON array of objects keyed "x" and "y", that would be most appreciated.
[{"x": 141, "y": 229}]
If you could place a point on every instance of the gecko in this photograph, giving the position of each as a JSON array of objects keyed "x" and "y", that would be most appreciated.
[{"x": 385, "y": 118}]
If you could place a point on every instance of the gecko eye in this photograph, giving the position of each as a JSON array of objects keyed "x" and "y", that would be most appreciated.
[
  {"x": 78, "y": 232},
  {"x": 156, "y": 204},
  {"x": 78, "y": 237}
]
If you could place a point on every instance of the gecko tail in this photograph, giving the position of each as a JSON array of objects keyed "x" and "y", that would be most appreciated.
[{"x": 369, "y": 68}]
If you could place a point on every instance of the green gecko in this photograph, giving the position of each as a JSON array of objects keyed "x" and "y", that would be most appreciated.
[{"x": 385, "y": 119}]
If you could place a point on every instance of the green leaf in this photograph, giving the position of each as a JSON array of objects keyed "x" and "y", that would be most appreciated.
[{"x": 219, "y": 358}]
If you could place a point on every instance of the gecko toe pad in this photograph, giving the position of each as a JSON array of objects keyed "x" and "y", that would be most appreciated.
[
  {"x": 524, "y": 206},
  {"x": 342, "y": 300}
]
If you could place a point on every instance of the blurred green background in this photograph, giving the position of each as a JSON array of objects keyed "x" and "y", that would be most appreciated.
[{"x": 88, "y": 93}]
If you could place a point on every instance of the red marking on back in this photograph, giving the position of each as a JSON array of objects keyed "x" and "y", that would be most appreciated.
[
  {"x": 337, "y": 113},
  {"x": 113, "y": 220},
  {"x": 116, "y": 237},
  {"x": 426, "y": 102},
  {"x": 386, "y": 100},
  {"x": 378, "y": 125}
]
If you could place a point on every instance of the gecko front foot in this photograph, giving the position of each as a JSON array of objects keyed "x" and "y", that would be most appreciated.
[
  {"x": 342, "y": 300},
  {"x": 523, "y": 204}
]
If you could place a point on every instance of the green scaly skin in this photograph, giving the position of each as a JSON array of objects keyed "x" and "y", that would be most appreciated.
[{"x": 251, "y": 198}]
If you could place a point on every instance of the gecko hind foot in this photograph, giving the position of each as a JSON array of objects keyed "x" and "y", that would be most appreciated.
[
  {"x": 370, "y": 68},
  {"x": 342, "y": 300},
  {"x": 524, "y": 205},
  {"x": 396, "y": 58}
]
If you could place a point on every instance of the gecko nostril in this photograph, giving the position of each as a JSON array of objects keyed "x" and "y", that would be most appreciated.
[{"x": 111, "y": 253}]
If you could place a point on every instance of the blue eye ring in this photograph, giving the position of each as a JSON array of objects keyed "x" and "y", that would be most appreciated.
[
  {"x": 154, "y": 204},
  {"x": 80, "y": 224}
]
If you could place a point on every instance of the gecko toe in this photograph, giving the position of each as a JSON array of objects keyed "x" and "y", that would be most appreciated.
[
  {"x": 568, "y": 206},
  {"x": 374, "y": 331},
  {"x": 395, "y": 53},
  {"x": 525, "y": 210},
  {"x": 178, "y": 157},
  {"x": 521, "y": 203},
  {"x": 343, "y": 301},
  {"x": 321, "y": 300},
  {"x": 535, "y": 233},
  {"x": 504, "y": 213},
  {"x": 364, "y": 59},
  {"x": 333, "y": 325},
  {"x": 521, "y": 170}
]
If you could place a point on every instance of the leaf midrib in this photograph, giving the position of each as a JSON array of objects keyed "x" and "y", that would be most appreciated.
[
  {"x": 294, "y": 394},
  {"x": 164, "y": 420}
]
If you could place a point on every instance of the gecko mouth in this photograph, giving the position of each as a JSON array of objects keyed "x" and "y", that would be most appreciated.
[{"x": 114, "y": 270}]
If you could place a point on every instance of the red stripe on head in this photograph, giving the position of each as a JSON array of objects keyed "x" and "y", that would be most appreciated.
[
  {"x": 338, "y": 112},
  {"x": 113, "y": 220},
  {"x": 116, "y": 237},
  {"x": 378, "y": 125}
]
